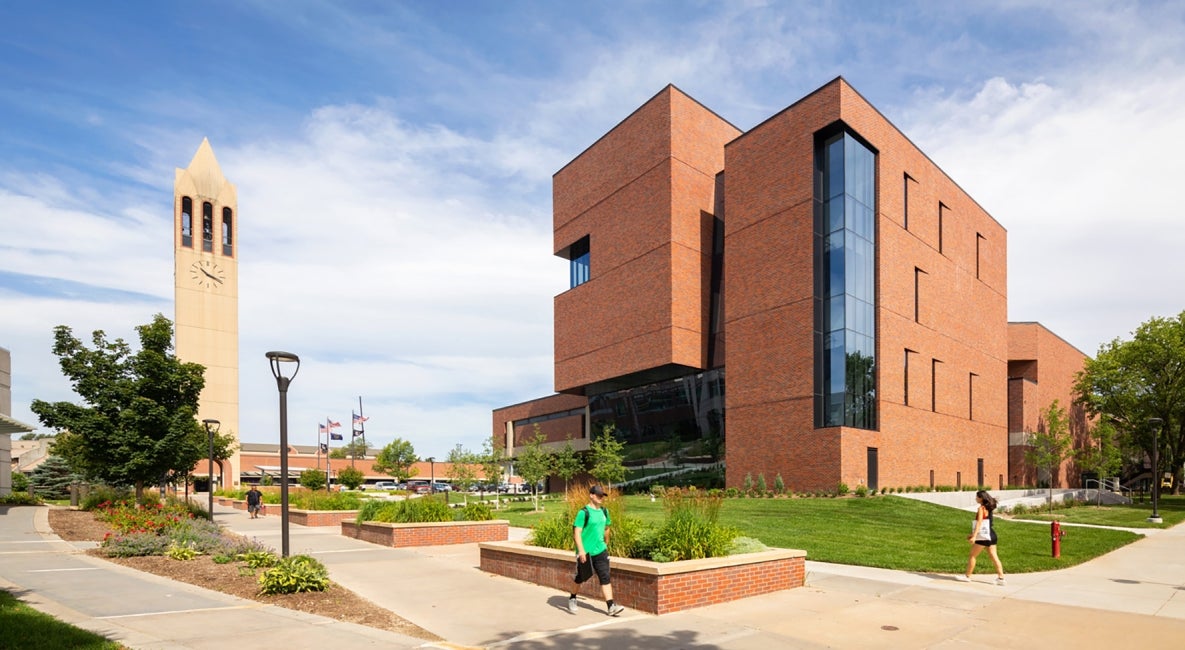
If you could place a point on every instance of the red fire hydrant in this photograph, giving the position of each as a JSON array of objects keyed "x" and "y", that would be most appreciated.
[{"x": 1057, "y": 534}]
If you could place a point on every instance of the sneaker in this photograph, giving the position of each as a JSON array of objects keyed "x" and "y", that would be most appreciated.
[
  {"x": 1000, "y": 582},
  {"x": 571, "y": 605},
  {"x": 963, "y": 578},
  {"x": 616, "y": 610}
]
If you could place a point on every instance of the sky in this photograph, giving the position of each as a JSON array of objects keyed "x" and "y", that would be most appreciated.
[{"x": 393, "y": 162}]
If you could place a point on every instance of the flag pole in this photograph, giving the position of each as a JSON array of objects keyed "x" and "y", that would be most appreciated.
[{"x": 362, "y": 429}]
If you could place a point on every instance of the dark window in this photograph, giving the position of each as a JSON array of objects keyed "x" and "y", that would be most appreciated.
[
  {"x": 228, "y": 230},
  {"x": 207, "y": 227},
  {"x": 845, "y": 291},
  {"x": 978, "y": 243},
  {"x": 934, "y": 363},
  {"x": 905, "y": 202},
  {"x": 917, "y": 296},
  {"x": 187, "y": 221},
  {"x": 941, "y": 215},
  {"x": 579, "y": 264},
  {"x": 905, "y": 374},
  {"x": 971, "y": 395}
]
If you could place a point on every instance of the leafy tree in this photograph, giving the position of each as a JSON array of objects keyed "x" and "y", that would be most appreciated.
[
  {"x": 355, "y": 449},
  {"x": 606, "y": 457},
  {"x": 396, "y": 459},
  {"x": 1049, "y": 446},
  {"x": 138, "y": 426},
  {"x": 462, "y": 470},
  {"x": 492, "y": 460},
  {"x": 351, "y": 477},
  {"x": 1132, "y": 381},
  {"x": 533, "y": 462},
  {"x": 313, "y": 479},
  {"x": 565, "y": 463},
  {"x": 52, "y": 478},
  {"x": 674, "y": 445},
  {"x": 36, "y": 436},
  {"x": 1102, "y": 455}
]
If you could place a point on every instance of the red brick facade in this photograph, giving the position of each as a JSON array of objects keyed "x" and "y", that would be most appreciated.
[
  {"x": 1041, "y": 368},
  {"x": 648, "y": 193},
  {"x": 654, "y": 587}
]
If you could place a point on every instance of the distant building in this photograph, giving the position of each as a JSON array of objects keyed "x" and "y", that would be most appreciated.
[
  {"x": 8, "y": 426},
  {"x": 815, "y": 292}
]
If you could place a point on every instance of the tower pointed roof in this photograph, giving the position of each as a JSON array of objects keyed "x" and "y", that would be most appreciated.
[{"x": 204, "y": 169}]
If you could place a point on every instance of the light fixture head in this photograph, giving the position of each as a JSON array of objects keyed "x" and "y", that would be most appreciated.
[
  {"x": 211, "y": 424},
  {"x": 277, "y": 358}
]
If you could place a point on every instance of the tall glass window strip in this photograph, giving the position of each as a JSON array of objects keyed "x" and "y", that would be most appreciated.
[
  {"x": 187, "y": 221},
  {"x": 845, "y": 290},
  {"x": 228, "y": 247},
  {"x": 579, "y": 264},
  {"x": 208, "y": 227}
]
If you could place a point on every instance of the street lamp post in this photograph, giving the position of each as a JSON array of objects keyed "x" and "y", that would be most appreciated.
[
  {"x": 277, "y": 359},
  {"x": 432, "y": 474},
  {"x": 1156, "y": 423},
  {"x": 212, "y": 427}
]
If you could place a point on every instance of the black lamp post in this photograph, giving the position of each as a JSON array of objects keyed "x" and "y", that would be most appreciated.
[
  {"x": 277, "y": 360},
  {"x": 212, "y": 427},
  {"x": 432, "y": 473},
  {"x": 1156, "y": 424}
]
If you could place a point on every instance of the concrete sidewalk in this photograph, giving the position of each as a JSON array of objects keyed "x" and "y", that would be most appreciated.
[{"x": 1135, "y": 594}]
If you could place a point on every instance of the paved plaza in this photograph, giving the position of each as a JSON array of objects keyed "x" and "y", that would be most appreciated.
[{"x": 1134, "y": 596}]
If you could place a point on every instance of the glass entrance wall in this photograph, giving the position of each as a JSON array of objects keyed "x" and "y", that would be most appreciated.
[
  {"x": 845, "y": 289},
  {"x": 691, "y": 407}
]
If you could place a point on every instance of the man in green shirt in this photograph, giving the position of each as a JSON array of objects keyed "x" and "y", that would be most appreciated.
[{"x": 591, "y": 532}]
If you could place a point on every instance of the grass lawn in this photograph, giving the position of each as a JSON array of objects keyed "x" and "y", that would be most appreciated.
[
  {"x": 886, "y": 531},
  {"x": 29, "y": 629},
  {"x": 1170, "y": 508}
]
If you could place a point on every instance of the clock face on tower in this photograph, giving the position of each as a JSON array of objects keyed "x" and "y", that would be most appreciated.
[{"x": 207, "y": 274}]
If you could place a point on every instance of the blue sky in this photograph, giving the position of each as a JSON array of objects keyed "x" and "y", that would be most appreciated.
[{"x": 393, "y": 163}]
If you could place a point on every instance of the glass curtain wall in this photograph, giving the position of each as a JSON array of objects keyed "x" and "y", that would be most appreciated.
[{"x": 845, "y": 290}]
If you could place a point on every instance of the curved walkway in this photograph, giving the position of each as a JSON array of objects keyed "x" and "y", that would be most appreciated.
[{"x": 1134, "y": 593}]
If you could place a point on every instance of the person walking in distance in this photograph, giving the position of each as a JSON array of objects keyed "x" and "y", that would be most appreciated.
[
  {"x": 254, "y": 501},
  {"x": 983, "y": 535},
  {"x": 591, "y": 532}
]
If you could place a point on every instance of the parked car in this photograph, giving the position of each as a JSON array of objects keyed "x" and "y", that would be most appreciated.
[
  {"x": 441, "y": 487},
  {"x": 418, "y": 487},
  {"x": 386, "y": 485}
]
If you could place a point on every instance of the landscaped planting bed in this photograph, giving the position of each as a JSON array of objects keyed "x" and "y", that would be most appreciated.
[{"x": 427, "y": 534}]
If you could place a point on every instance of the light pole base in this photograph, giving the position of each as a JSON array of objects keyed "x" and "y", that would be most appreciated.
[{"x": 1155, "y": 519}]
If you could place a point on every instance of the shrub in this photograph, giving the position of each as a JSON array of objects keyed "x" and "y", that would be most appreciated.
[
  {"x": 325, "y": 501},
  {"x": 748, "y": 483},
  {"x": 258, "y": 559},
  {"x": 181, "y": 551},
  {"x": 779, "y": 484},
  {"x": 747, "y": 545},
  {"x": 686, "y": 536},
  {"x": 841, "y": 489},
  {"x": 266, "y": 480},
  {"x": 135, "y": 545},
  {"x": 477, "y": 512},
  {"x": 862, "y": 491},
  {"x": 732, "y": 493},
  {"x": 20, "y": 499},
  {"x": 553, "y": 532},
  {"x": 408, "y": 511},
  {"x": 100, "y": 494},
  {"x": 761, "y": 487},
  {"x": 294, "y": 574},
  {"x": 20, "y": 482}
]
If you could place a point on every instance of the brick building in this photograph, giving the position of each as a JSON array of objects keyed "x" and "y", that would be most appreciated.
[{"x": 853, "y": 296}]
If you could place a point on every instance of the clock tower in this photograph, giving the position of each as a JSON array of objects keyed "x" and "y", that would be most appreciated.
[{"x": 206, "y": 289}]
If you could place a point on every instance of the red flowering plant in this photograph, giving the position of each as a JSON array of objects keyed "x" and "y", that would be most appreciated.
[{"x": 127, "y": 518}]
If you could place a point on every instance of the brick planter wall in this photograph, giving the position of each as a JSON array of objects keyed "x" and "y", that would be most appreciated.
[
  {"x": 303, "y": 517},
  {"x": 654, "y": 587},
  {"x": 427, "y": 534}
]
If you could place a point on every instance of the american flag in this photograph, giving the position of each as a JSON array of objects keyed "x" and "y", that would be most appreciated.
[
  {"x": 358, "y": 419},
  {"x": 331, "y": 424},
  {"x": 321, "y": 428}
]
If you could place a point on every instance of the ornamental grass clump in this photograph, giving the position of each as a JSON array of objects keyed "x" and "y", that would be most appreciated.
[
  {"x": 408, "y": 511},
  {"x": 691, "y": 530},
  {"x": 556, "y": 532}
]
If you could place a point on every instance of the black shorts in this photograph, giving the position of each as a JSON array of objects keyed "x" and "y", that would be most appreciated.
[
  {"x": 597, "y": 563},
  {"x": 992, "y": 542}
]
